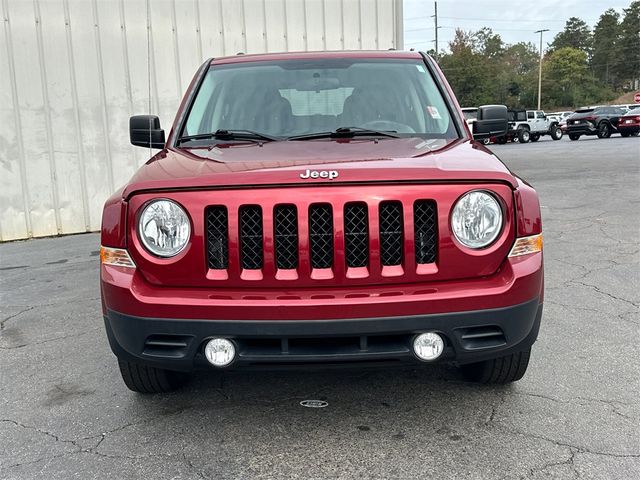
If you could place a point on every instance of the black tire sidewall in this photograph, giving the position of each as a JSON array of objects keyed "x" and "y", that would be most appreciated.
[{"x": 604, "y": 130}]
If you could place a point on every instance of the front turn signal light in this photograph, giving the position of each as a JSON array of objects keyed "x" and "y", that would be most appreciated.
[
  {"x": 527, "y": 245},
  {"x": 116, "y": 256}
]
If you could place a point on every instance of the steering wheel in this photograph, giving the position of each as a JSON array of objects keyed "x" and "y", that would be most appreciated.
[{"x": 384, "y": 125}]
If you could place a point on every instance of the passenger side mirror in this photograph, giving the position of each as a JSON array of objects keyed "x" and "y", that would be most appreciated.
[
  {"x": 491, "y": 122},
  {"x": 145, "y": 131}
]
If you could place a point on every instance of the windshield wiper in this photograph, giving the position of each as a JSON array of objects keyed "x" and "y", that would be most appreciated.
[
  {"x": 347, "y": 132},
  {"x": 230, "y": 135}
]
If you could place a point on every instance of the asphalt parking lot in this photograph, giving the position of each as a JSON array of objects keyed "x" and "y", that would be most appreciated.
[{"x": 65, "y": 413}]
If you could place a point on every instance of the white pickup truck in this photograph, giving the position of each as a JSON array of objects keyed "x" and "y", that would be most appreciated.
[{"x": 528, "y": 125}]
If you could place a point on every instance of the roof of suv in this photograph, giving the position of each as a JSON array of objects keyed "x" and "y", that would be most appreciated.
[{"x": 240, "y": 58}]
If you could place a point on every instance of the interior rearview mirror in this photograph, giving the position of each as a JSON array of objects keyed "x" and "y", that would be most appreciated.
[
  {"x": 492, "y": 122},
  {"x": 145, "y": 131}
]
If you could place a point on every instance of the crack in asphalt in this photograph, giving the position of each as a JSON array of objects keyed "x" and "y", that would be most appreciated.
[
  {"x": 559, "y": 443},
  {"x": 569, "y": 461},
  {"x": 52, "y": 435},
  {"x": 588, "y": 271},
  {"x": 597, "y": 289},
  {"x": 622, "y": 316},
  {"x": 11, "y": 317},
  {"x": 614, "y": 404},
  {"x": 78, "y": 448}
]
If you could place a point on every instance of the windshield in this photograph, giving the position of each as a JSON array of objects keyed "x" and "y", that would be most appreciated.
[{"x": 297, "y": 97}]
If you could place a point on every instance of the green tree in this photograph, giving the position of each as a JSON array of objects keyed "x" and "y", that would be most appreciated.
[
  {"x": 628, "y": 65},
  {"x": 464, "y": 68},
  {"x": 567, "y": 81},
  {"x": 520, "y": 65},
  {"x": 482, "y": 69},
  {"x": 576, "y": 34},
  {"x": 605, "y": 56},
  {"x": 488, "y": 43}
]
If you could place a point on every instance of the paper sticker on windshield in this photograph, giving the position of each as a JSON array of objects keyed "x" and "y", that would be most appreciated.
[{"x": 433, "y": 111}]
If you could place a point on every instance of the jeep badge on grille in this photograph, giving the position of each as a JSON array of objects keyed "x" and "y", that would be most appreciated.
[{"x": 330, "y": 174}]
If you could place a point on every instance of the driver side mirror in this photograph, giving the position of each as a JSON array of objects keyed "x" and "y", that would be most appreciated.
[
  {"x": 145, "y": 131},
  {"x": 492, "y": 122}
]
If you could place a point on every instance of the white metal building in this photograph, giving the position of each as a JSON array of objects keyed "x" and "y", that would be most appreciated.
[{"x": 73, "y": 71}]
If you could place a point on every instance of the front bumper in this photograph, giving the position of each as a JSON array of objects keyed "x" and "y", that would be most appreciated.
[
  {"x": 469, "y": 337},
  {"x": 480, "y": 318}
]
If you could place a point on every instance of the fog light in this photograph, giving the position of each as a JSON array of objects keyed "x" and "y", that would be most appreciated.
[
  {"x": 428, "y": 346},
  {"x": 220, "y": 352}
]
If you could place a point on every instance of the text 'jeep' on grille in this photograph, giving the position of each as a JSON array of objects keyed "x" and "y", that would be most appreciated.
[{"x": 321, "y": 209}]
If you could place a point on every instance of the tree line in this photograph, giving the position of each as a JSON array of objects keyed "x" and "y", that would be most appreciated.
[{"x": 581, "y": 66}]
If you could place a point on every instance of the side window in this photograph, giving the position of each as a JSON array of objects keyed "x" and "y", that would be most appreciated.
[
  {"x": 540, "y": 115},
  {"x": 530, "y": 115}
]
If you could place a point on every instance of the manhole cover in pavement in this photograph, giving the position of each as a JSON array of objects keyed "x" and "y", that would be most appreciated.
[{"x": 314, "y": 403}]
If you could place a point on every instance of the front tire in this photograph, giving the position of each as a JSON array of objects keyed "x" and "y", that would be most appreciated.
[
  {"x": 604, "y": 130},
  {"x": 501, "y": 370},
  {"x": 574, "y": 136},
  {"x": 556, "y": 133},
  {"x": 142, "y": 379},
  {"x": 625, "y": 134},
  {"x": 524, "y": 135},
  {"x": 535, "y": 137}
]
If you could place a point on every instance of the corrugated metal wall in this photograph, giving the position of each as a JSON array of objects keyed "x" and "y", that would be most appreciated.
[{"x": 73, "y": 71}]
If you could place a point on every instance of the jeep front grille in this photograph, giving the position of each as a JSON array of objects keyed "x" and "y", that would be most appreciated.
[{"x": 315, "y": 241}]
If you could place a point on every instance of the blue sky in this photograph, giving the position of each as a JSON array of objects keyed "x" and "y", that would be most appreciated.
[{"x": 515, "y": 21}]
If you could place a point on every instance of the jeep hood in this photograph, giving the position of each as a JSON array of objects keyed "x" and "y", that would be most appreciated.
[{"x": 356, "y": 161}]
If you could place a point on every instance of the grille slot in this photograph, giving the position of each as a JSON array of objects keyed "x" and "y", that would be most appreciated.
[
  {"x": 425, "y": 224},
  {"x": 251, "y": 254},
  {"x": 356, "y": 234},
  {"x": 168, "y": 346},
  {"x": 217, "y": 237},
  {"x": 286, "y": 236},
  {"x": 391, "y": 234},
  {"x": 321, "y": 235},
  {"x": 481, "y": 337}
]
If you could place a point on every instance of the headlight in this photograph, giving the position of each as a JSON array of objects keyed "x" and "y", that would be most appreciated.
[
  {"x": 476, "y": 219},
  {"x": 164, "y": 228}
]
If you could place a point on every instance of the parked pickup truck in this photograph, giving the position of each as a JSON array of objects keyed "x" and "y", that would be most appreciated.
[
  {"x": 320, "y": 209},
  {"x": 530, "y": 125}
]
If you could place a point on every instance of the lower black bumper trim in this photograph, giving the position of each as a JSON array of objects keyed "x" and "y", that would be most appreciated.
[{"x": 470, "y": 336}]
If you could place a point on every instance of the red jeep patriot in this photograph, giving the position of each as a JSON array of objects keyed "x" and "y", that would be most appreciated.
[{"x": 315, "y": 209}]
